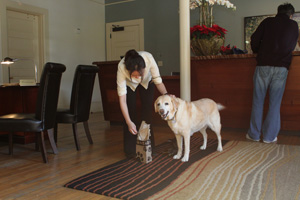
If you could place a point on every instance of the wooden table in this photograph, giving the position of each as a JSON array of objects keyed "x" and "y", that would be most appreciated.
[{"x": 18, "y": 99}]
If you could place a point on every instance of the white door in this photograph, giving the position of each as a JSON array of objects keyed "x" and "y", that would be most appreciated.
[
  {"x": 23, "y": 44},
  {"x": 123, "y": 36}
]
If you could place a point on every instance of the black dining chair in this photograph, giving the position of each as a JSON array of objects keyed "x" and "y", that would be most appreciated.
[
  {"x": 81, "y": 97},
  {"x": 43, "y": 120}
]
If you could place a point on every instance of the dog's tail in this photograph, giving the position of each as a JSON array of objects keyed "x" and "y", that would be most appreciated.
[{"x": 220, "y": 106}]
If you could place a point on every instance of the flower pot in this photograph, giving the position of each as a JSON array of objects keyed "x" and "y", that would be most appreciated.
[{"x": 205, "y": 47}]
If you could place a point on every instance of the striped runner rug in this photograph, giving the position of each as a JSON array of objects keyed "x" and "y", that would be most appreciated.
[{"x": 243, "y": 170}]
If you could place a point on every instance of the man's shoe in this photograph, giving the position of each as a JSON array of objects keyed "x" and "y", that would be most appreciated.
[
  {"x": 275, "y": 140},
  {"x": 249, "y": 138}
]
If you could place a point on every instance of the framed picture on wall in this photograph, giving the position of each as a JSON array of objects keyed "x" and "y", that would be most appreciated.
[{"x": 251, "y": 23}]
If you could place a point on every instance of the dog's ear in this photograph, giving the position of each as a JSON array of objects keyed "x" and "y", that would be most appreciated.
[
  {"x": 155, "y": 105},
  {"x": 175, "y": 103}
]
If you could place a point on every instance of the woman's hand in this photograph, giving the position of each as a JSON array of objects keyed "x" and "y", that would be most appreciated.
[
  {"x": 171, "y": 95},
  {"x": 132, "y": 128},
  {"x": 163, "y": 91}
]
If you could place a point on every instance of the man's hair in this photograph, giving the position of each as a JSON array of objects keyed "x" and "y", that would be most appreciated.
[
  {"x": 134, "y": 62},
  {"x": 286, "y": 8}
]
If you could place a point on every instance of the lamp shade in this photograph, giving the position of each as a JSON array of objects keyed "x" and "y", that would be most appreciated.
[{"x": 7, "y": 61}]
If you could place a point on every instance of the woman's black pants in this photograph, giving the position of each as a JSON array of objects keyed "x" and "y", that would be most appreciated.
[{"x": 146, "y": 97}]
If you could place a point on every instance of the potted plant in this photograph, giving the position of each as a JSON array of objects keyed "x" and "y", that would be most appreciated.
[{"x": 207, "y": 37}]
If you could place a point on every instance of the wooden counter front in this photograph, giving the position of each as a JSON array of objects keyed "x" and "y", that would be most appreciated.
[
  {"x": 225, "y": 79},
  {"x": 110, "y": 100},
  {"x": 228, "y": 80}
]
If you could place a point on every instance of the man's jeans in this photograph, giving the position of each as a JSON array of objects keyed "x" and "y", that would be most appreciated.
[{"x": 274, "y": 79}]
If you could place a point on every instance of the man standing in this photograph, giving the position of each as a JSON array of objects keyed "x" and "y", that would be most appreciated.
[{"x": 273, "y": 41}]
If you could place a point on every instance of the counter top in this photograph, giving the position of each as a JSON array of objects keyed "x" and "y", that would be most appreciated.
[{"x": 231, "y": 56}]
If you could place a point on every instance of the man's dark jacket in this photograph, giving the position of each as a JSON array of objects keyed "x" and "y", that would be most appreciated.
[{"x": 274, "y": 40}]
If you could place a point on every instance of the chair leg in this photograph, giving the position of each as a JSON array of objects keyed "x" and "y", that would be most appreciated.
[
  {"x": 52, "y": 141},
  {"x": 43, "y": 147},
  {"x": 87, "y": 132},
  {"x": 75, "y": 133},
  {"x": 11, "y": 144},
  {"x": 37, "y": 147},
  {"x": 55, "y": 132}
]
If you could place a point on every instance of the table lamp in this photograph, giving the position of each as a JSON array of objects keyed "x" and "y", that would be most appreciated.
[{"x": 8, "y": 61}]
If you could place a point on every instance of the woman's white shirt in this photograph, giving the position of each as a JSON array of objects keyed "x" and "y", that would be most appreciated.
[{"x": 151, "y": 72}]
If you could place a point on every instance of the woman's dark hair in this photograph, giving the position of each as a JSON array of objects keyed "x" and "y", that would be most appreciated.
[
  {"x": 286, "y": 8},
  {"x": 134, "y": 62}
]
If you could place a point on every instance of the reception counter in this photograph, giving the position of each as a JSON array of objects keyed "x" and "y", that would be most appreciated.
[
  {"x": 228, "y": 80},
  {"x": 225, "y": 79}
]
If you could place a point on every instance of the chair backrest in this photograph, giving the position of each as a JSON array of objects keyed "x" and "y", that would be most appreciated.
[
  {"x": 48, "y": 94},
  {"x": 82, "y": 91}
]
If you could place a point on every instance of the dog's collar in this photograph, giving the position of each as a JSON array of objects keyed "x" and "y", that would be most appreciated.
[{"x": 173, "y": 116}]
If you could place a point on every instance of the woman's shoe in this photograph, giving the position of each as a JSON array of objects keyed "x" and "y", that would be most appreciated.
[{"x": 130, "y": 155}]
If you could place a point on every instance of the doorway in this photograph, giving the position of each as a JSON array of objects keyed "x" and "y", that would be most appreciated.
[
  {"x": 123, "y": 36},
  {"x": 23, "y": 44},
  {"x": 24, "y": 29}
]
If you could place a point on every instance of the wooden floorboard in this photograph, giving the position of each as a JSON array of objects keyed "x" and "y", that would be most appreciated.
[{"x": 25, "y": 176}]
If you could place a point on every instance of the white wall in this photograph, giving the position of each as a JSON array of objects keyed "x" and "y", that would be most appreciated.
[{"x": 69, "y": 47}]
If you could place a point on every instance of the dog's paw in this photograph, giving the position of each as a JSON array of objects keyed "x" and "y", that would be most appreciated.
[
  {"x": 220, "y": 149},
  {"x": 203, "y": 147},
  {"x": 185, "y": 159},
  {"x": 176, "y": 157}
]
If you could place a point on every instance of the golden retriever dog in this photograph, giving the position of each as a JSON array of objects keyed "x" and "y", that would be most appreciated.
[{"x": 186, "y": 118}]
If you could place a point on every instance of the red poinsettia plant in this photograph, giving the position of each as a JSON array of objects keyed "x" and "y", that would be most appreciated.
[
  {"x": 227, "y": 50},
  {"x": 204, "y": 32}
]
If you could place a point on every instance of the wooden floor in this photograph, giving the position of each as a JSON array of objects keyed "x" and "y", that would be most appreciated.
[{"x": 25, "y": 176}]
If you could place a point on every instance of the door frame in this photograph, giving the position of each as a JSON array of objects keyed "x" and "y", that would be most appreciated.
[
  {"x": 109, "y": 26},
  {"x": 43, "y": 23}
]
